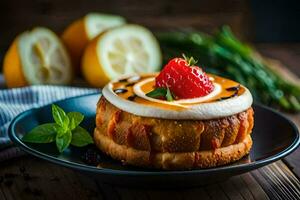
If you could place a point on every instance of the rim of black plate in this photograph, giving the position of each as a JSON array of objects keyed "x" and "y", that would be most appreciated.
[{"x": 84, "y": 167}]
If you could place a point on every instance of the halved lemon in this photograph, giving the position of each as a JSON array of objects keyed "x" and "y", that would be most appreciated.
[
  {"x": 120, "y": 51},
  {"x": 37, "y": 57},
  {"x": 79, "y": 33}
]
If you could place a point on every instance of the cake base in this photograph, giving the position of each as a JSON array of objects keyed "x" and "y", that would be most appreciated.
[{"x": 173, "y": 160}]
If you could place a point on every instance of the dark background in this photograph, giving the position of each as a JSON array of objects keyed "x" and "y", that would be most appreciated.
[{"x": 252, "y": 20}]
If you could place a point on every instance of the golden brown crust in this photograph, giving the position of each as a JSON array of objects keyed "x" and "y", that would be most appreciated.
[
  {"x": 163, "y": 135},
  {"x": 151, "y": 141},
  {"x": 172, "y": 161}
]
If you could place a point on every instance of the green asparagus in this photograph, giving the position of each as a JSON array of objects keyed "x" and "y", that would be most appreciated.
[{"x": 223, "y": 54}]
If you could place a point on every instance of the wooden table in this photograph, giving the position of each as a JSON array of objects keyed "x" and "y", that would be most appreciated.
[{"x": 32, "y": 178}]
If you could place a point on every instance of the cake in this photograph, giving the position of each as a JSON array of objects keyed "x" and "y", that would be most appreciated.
[{"x": 178, "y": 119}]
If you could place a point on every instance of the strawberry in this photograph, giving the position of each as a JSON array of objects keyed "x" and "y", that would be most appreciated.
[{"x": 184, "y": 79}]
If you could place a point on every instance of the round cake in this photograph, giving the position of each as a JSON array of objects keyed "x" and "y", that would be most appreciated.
[{"x": 147, "y": 120}]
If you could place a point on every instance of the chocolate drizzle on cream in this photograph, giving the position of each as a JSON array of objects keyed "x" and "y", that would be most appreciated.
[
  {"x": 130, "y": 84},
  {"x": 120, "y": 90},
  {"x": 235, "y": 89},
  {"x": 123, "y": 80},
  {"x": 132, "y": 97},
  {"x": 233, "y": 95}
]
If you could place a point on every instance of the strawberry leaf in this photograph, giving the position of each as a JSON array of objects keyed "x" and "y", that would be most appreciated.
[
  {"x": 157, "y": 93},
  {"x": 160, "y": 92},
  {"x": 190, "y": 60},
  {"x": 169, "y": 95}
]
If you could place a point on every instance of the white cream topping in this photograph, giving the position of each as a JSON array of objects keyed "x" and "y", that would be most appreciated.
[{"x": 198, "y": 111}]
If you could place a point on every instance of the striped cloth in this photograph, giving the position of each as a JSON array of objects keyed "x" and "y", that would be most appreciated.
[{"x": 15, "y": 101}]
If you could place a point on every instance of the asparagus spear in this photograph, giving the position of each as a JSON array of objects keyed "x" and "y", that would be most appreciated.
[
  {"x": 270, "y": 78},
  {"x": 226, "y": 55}
]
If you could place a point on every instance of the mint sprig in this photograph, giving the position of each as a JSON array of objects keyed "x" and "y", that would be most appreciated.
[
  {"x": 161, "y": 92},
  {"x": 64, "y": 131}
]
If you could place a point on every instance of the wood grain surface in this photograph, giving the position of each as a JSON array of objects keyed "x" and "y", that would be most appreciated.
[{"x": 32, "y": 178}]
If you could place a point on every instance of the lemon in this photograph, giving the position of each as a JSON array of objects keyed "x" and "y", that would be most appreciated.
[
  {"x": 120, "y": 51},
  {"x": 37, "y": 57},
  {"x": 79, "y": 33}
]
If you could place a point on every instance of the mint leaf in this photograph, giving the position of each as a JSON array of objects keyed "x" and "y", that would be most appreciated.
[
  {"x": 75, "y": 119},
  {"x": 157, "y": 93},
  {"x": 81, "y": 137},
  {"x": 169, "y": 95},
  {"x": 60, "y": 116},
  {"x": 63, "y": 141},
  {"x": 61, "y": 130},
  {"x": 44, "y": 133},
  {"x": 160, "y": 92}
]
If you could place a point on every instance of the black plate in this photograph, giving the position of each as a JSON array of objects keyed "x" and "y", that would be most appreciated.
[{"x": 274, "y": 137}]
